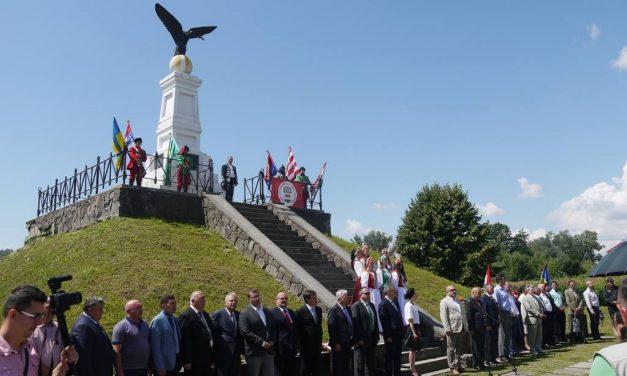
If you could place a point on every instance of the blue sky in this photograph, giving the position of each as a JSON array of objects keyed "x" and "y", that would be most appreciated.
[{"x": 523, "y": 104}]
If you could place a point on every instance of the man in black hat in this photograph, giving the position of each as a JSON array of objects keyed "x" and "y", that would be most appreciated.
[{"x": 136, "y": 156}]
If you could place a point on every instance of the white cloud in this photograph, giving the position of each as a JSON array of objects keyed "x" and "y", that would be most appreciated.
[
  {"x": 529, "y": 190},
  {"x": 490, "y": 210},
  {"x": 537, "y": 234},
  {"x": 594, "y": 31},
  {"x": 355, "y": 227},
  {"x": 601, "y": 208},
  {"x": 383, "y": 206},
  {"x": 620, "y": 62}
]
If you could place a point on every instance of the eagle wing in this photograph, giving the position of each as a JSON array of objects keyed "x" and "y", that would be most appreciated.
[
  {"x": 197, "y": 32},
  {"x": 171, "y": 23}
]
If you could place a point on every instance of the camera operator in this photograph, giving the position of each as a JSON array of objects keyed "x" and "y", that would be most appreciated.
[
  {"x": 23, "y": 312},
  {"x": 48, "y": 342}
]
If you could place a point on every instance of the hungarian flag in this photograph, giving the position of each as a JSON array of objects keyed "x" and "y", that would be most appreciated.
[
  {"x": 119, "y": 147},
  {"x": 128, "y": 136},
  {"x": 318, "y": 182},
  {"x": 173, "y": 150},
  {"x": 545, "y": 277},
  {"x": 487, "y": 280},
  {"x": 271, "y": 170},
  {"x": 292, "y": 166}
]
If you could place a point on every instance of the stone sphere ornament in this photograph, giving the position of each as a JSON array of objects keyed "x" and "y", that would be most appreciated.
[{"x": 181, "y": 63}]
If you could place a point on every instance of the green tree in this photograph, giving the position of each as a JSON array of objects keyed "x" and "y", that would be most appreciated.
[
  {"x": 5, "y": 252},
  {"x": 377, "y": 240},
  {"x": 440, "y": 229}
]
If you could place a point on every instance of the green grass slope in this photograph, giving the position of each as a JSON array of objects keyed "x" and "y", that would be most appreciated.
[
  {"x": 429, "y": 287},
  {"x": 125, "y": 258}
]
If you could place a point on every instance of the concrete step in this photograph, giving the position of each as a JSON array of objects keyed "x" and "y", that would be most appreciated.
[
  {"x": 336, "y": 285},
  {"x": 303, "y": 256},
  {"x": 295, "y": 244},
  {"x": 300, "y": 250},
  {"x": 284, "y": 237},
  {"x": 316, "y": 263},
  {"x": 281, "y": 232},
  {"x": 259, "y": 216},
  {"x": 428, "y": 366}
]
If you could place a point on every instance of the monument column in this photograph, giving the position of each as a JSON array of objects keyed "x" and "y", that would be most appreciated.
[{"x": 179, "y": 117}]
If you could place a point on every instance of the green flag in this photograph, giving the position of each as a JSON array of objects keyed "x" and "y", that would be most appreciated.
[{"x": 173, "y": 150}]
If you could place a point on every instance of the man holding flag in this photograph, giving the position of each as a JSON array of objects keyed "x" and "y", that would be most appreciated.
[{"x": 137, "y": 156}]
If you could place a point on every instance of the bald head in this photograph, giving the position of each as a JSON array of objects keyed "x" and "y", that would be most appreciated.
[{"x": 134, "y": 310}]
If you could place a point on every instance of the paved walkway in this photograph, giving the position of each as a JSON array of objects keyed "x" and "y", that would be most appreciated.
[{"x": 582, "y": 368}]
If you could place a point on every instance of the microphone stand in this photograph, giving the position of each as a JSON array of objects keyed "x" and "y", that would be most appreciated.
[{"x": 513, "y": 357}]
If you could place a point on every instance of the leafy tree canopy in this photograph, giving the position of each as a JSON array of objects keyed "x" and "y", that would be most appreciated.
[{"x": 376, "y": 240}]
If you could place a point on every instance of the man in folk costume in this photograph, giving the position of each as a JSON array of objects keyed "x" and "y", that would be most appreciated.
[
  {"x": 183, "y": 169},
  {"x": 137, "y": 156}
]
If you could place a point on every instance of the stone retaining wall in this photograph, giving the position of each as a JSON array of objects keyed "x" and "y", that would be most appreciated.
[{"x": 122, "y": 201}]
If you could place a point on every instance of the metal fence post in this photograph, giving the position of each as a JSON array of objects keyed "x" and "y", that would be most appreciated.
[{"x": 97, "y": 173}]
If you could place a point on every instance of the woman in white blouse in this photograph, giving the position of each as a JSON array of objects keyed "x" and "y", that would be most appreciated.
[{"x": 412, "y": 320}]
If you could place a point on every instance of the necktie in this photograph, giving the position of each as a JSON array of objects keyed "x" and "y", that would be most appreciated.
[
  {"x": 204, "y": 323},
  {"x": 175, "y": 332},
  {"x": 350, "y": 322},
  {"x": 313, "y": 313},
  {"x": 288, "y": 319},
  {"x": 370, "y": 318},
  {"x": 232, "y": 315}
]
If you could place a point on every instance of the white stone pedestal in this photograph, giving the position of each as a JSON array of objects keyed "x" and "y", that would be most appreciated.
[{"x": 179, "y": 116}]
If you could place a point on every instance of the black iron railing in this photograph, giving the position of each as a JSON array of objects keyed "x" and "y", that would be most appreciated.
[
  {"x": 103, "y": 175},
  {"x": 256, "y": 189}
]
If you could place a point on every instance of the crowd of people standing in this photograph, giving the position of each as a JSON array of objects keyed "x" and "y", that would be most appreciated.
[{"x": 504, "y": 321}]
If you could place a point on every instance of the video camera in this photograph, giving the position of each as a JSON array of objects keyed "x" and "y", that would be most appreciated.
[{"x": 60, "y": 302}]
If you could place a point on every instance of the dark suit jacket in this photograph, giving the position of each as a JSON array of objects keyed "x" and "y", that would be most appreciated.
[
  {"x": 196, "y": 339},
  {"x": 93, "y": 347},
  {"x": 224, "y": 171},
  {"x": 477, "y": 320},
  {"x": 360, "y": 324},
  {"x": 254, "y": 332},
  {"x": 391, "y": 320},
  {"x": 286, "y": 336},
  {"x": 309, "y": 331},
  {"x": 227, "y": 339},
  {"x": 340, "y": 329},
  {"x": 489, "y": 305}
]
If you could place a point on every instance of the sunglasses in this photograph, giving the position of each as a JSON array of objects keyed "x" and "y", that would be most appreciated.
[{"x": 34, "y": 316}]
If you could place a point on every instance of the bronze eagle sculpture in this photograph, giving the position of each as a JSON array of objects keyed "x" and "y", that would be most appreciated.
[{"x": 176, "y": 30}]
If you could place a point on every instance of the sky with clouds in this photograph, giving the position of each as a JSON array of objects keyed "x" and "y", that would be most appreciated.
[{"x": 522, "y": 104}]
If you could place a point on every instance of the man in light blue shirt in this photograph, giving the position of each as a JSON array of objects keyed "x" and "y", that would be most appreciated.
[
  {"x": 560, "y": 315},
  {"x": 505, "y": 316}
]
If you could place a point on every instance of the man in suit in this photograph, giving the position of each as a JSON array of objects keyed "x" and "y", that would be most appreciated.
[
  {"x": 575, "y": 303},
  {"x": 531, "y": 312},
  {"x": 392, "y": 324},
  {"x": 257, "y": 328},
  {"x": 286, "y": 336},
  {"x": 92, "y": 343},
  {"x": 228, "y": 343},
  {"x": 309, "y": 326},
  {"x": 454, "y": 325},
  {"x": 492, "y": 329},
  {"x": 229, "y": 179},
  {"x": 340, "y": 325},
  {"x": 196, "y": 337},
  {"x": 365, "y": 334},
  {"x": 165, "y": 339},
  {"x": 477, "y": 323}
]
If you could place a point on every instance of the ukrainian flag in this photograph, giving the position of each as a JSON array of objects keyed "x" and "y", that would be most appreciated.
[
  {"x": 119, "y": 146},
  {"x": 545, "y": 277}
]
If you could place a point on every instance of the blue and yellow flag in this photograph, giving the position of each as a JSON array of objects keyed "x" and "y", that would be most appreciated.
[
  {"x": 545, "y": 277},
  {"x": 119, "y": 145}
]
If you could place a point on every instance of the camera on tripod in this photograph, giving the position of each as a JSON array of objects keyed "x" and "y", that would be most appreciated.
[{"x": 60, "y": 301}]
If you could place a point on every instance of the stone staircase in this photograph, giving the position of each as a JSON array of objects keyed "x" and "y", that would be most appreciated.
[{"x": 295, "y": 246}]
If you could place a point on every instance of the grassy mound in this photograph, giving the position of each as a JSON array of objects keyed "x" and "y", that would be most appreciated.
[
  {"x": 125, "y": 258},
  {"x": 429, "y": 287}
]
